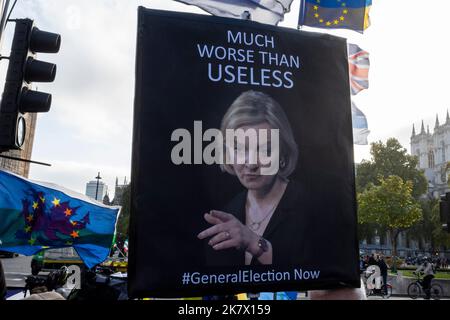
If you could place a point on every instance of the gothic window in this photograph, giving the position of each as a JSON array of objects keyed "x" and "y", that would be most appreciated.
[
  {"x": 431, "y": 159},
  {"x": 443, "y": 151}
]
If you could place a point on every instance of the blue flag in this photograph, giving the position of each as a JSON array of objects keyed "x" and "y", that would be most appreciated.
[
  {"x": 360, "y": 127},
  {"x": 36, "y": 216},
  {"x": 335, "y": 14}
]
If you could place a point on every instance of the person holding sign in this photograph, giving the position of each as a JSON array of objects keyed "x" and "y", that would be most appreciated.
[{"x": 256, "y": 226}]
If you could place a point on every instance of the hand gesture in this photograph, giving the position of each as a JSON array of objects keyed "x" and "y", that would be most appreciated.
[{"x": 227, "y": 232}]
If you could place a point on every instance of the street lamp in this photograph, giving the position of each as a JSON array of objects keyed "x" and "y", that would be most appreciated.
[{"x": 98, "y": 181}]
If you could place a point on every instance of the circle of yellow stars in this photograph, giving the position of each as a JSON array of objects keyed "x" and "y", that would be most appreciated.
[
  {"x": 56, "y": 202},
  {"x": 334, "y": 22},
  {"x": 28, "y": 228}
]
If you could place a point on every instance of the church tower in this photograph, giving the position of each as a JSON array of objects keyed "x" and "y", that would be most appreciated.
[
  {"x": 419, "y": 145},
  {"x": 433, "y": 151}
]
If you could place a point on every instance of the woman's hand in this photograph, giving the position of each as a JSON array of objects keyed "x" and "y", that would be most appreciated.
[{"x": 228, "y": 232}]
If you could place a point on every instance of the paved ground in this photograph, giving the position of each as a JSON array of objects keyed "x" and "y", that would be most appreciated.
[
  {"x": 398, "y": 298},
  {"x": 16, "y": 270}
]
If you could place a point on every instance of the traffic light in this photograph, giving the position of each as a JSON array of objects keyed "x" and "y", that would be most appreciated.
[
  {"x": 444, "y": 207},
  {"x": 18, "y": 98}
]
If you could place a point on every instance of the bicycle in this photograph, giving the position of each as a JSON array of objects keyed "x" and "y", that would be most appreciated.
[
  {"x": 385, "y": 291},
  {"x": 415, "y": 289}
]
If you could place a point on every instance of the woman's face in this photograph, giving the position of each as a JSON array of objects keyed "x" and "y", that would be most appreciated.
[{"x": 249, "y": 173}]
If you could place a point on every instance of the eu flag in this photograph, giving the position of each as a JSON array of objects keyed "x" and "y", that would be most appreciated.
[
  {"x": 335, "y": 14},
  {"x": 36, "y": 216}
]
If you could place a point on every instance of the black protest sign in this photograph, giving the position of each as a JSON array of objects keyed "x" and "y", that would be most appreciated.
[{"x": 242, "y": 169}]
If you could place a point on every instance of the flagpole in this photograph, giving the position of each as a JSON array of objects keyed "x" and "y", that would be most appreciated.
[{"x": 301, "y": 15}]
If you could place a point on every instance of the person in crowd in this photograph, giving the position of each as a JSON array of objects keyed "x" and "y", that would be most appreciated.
[
  {"x": 427, "y": 269},
  {"x": 372, "y": 260},
  {"x": 384, "y": 271}
]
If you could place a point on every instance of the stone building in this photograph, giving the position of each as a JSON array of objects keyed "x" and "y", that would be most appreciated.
[
  {"x": 96, "y": 190},
  {"x": 433, "y": 151},
  {"x": 20, "y": 167},
  {"x": 118, "y": 192}
]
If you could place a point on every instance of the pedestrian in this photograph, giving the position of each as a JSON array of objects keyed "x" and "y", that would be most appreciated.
[
  {"x": 372, "y": 260},
  {"x": 384, "y": 272},
  {"x": 438, "y": 263},
  {"x": 366, "y": 261},
  {"x": 362, "y": 264}
]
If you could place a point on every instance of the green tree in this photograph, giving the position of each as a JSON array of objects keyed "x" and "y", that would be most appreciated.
[
  {"x": 430, "y": 228},
  {"x": 391, "y": 205},
  {"x": 439, "y": 236},
  {"x": 423, "y": 231},
  {"x": 390, "y": 159},
  {"x": 367, "y": 231},
  {"x": 124, "y": 218}
]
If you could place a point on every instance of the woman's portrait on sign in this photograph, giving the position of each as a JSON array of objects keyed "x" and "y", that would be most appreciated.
[{"x": 253, "y": 227}]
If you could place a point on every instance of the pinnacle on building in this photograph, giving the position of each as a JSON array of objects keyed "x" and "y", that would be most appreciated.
[{"x": 433, "y": 152}]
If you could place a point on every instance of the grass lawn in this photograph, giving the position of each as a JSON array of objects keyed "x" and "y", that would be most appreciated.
[{"x": 409, "y": 274}]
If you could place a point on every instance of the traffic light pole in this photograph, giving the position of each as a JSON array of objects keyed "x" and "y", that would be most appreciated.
[{"x": 23, "y": 69}]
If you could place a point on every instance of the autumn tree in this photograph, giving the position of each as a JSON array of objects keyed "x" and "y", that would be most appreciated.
[
  {"x": 387, "y": 159},
  {"x": 390, "y": 159},
  {"x": 391, "y": 205},
  {"x": 124, "y": 218}
]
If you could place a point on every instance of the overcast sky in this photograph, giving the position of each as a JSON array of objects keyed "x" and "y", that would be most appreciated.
[{"x": 89, "y": 127}]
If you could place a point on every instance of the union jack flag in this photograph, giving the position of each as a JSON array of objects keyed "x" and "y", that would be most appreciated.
[{"x": 358, "y": 63}]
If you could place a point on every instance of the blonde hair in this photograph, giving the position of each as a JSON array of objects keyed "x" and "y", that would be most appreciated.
[{"x": 254, "y": 107}]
